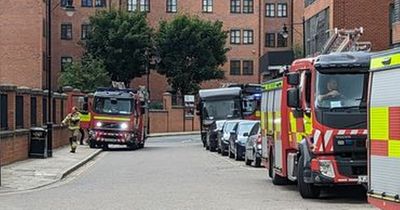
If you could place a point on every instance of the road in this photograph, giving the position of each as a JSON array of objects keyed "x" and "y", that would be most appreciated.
[{"x": 173, "y": 173}]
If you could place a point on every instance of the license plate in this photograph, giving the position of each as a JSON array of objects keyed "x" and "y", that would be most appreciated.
[
  {"x": 110, "y": 140},
  {"x": 362, "y": 179}
]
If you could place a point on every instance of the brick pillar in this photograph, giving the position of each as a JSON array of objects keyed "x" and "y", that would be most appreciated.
[
  {"x": 25, "y": 92},
  {"x": 167, "y": 101}
]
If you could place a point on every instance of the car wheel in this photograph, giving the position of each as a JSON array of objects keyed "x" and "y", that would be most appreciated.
[
  {"x": 246, "y": 160},
  {"x": 92, "y": 144},
  {"x": 307, "y": 190},
  {"x": 231, "y": 155},
  {"x": 237, "y": 155}
]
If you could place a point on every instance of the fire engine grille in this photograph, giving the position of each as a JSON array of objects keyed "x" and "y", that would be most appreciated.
[{"x": 351, "y": 155}]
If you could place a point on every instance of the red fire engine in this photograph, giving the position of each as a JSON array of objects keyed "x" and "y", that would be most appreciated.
[
  {"x": 314, "y": 122},
  {"x": 118, "y": 117}
]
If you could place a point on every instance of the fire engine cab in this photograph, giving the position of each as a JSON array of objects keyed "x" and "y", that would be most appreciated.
[
  {"x": 314, "y": 122},
  {"x": 117, "y": 117}
]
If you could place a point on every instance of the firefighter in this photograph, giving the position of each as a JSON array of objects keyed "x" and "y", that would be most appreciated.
[
  {"x": 73, "y": 122},
  {"x": 333, "y": 92}
]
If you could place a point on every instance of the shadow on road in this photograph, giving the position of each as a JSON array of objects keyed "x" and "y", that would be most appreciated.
[{"x": 337, "y": 194}]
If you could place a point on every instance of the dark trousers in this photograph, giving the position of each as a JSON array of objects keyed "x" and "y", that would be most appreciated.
[{"x": 82, "y": 135}]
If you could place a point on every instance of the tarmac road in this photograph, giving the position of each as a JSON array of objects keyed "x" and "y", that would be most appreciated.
[{"x": 174, "y": 173}]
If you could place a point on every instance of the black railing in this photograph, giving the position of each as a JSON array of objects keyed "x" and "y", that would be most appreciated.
[
  {"x": 19, "y": 112},
  {"x": 3, "y": 112},
  {"x": 33, "y": 111}
]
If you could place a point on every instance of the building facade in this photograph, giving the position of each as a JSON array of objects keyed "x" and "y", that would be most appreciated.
[{"x": 322, "y": 16}]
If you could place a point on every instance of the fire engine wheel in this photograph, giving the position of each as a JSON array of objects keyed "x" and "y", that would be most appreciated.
[
  {"x": 306, "y": 190},
  {"x": 92, "y": 144},
  {"x": 276, "y": 179}
]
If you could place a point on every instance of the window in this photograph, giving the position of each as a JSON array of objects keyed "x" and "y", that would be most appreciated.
[
  {"x": 87, "y": 3},
  {"x": 145, "y": 5},
  {"x": 282, "y": 10},
  {"x": 64, "y": 62},
  {"x": 207, "y": 5},
  {"x": 269, "y": 10},
  {"x": 172, "y": 6},
  {"x": 66, "y": 31},
  {"x": 270, "y": 40},
  {"x": 3, "y": 112},
  {"x": 248, "y": 6},
  {"x": 235, "y": 6},
  {"x": 235, "y": 67},
  {"x": 142, "y": 5},
  {"x": 33, "y": 111},
  {"x": 235, "y": 36},
  {"x": 85, "y": 30},
  {"x": 282, "y": 42},
  {"x": 63, "y": 3},
  {"x": 100, "y": 3},
  {"x": 247, "y": 67},
  {"x": 19, "y": 112},
  {"x": 248, "y": 36}
]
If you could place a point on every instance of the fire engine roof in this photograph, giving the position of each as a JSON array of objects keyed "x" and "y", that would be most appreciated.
[
  {"x": 113, "y": 92},
  {"x": 218, "y": 92},
  {"x": 346, "y": 60}
]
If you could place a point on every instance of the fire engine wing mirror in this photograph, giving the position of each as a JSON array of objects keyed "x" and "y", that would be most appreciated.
[
  {"x": 293, "y": 78},
  {"x": 293, "y": 98}
]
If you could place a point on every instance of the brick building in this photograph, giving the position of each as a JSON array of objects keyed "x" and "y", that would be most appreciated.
[
  {"x": 395, "y": 21},
  {"x": 324, "y": 15},
  {"x": 22, "y": 42}
]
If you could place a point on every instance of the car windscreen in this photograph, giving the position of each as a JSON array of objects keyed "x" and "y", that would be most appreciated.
[
  {"x": 245, "y": 128},
  {"x": 104, "y": 105},
  {"x": 222, "y": 109}
]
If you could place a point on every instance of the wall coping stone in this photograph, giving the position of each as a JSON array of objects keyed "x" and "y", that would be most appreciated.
[
  {"x": 7, "y": 87},
  {"x": 158, "y": 110},
  {"x": 23, "y": 90},
  {"x": 67, "y": 89},
  {"x": 37, "y": 91}
]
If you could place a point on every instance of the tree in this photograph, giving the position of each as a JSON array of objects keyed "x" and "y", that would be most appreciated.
[
  {"x": 86, "y": 74},
  {"x": 191, "y": 51},
  {"x": 120, "y": 39}
]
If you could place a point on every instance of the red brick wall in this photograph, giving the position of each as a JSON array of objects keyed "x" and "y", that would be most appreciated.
[
  {"x": 171, "y": 119},
  {"x": 13, "y": 148},
  {"x": 21, "y": 44},
  {"x": 358, "y": 13}
]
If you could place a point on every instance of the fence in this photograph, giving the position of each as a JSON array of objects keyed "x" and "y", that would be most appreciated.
[{"x": 22, "y": 108}]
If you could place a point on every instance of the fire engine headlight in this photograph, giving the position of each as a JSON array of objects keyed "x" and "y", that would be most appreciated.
[
  {"x": 99, "y": 124},
  {"x": 326, "y": 168},
  {"x": 124, "y": 126}
]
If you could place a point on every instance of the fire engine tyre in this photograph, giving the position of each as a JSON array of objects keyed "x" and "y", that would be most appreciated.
[
  {"x": 306, "y": 190},
  {"x": 257, "y": 162},
  {"x": 276, "y": 179},
  {"x": 212, "y": 149},
  {"x": 92, "y": 144}
]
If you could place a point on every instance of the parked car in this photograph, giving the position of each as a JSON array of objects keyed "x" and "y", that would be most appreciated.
[
  {"x": 238, "y": 139},
  {"x": 253, "y": 152},
  {"x": 211, "y": 139},
  {"x": 224, "y": 135}
]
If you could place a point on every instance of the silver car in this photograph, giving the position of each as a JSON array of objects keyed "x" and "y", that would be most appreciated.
[
  {"x": 224, "y": 135},
  {"x": 253, "y": 147},
  {"x": 238, "y": 138}
]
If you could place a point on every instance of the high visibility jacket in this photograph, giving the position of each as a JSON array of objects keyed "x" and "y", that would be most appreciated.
[{"x": 73, "y": 121}]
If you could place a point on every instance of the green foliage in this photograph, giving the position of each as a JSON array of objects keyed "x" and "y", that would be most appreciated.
[
  {"x": 298, "y": 51},
  {"x": 156, "y": 105},
  {"x": 191, "y": 51},
  {"x": 120, "y": 39},
  {"x": 86, "y": 74}
]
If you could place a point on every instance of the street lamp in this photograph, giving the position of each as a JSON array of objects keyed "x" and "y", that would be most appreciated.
[
  {"x": 285, "y": 33},
  {"x": 69, "y": 9}
]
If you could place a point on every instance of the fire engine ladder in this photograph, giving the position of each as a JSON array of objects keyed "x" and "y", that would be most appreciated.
[{"x": 346, "y": 40}]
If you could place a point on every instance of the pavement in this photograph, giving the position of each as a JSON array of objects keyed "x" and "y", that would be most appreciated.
[
  {"x": 174, "y": 172},
  {"x": 36, "y": 173},
  {"x": 174, "y": 134}
]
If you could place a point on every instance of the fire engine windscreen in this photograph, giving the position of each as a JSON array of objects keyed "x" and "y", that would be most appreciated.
[
  {"x": 222, "y": 109},
  {"x": 113, "y": 105},
  {"x": 340, "y": 91}
]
